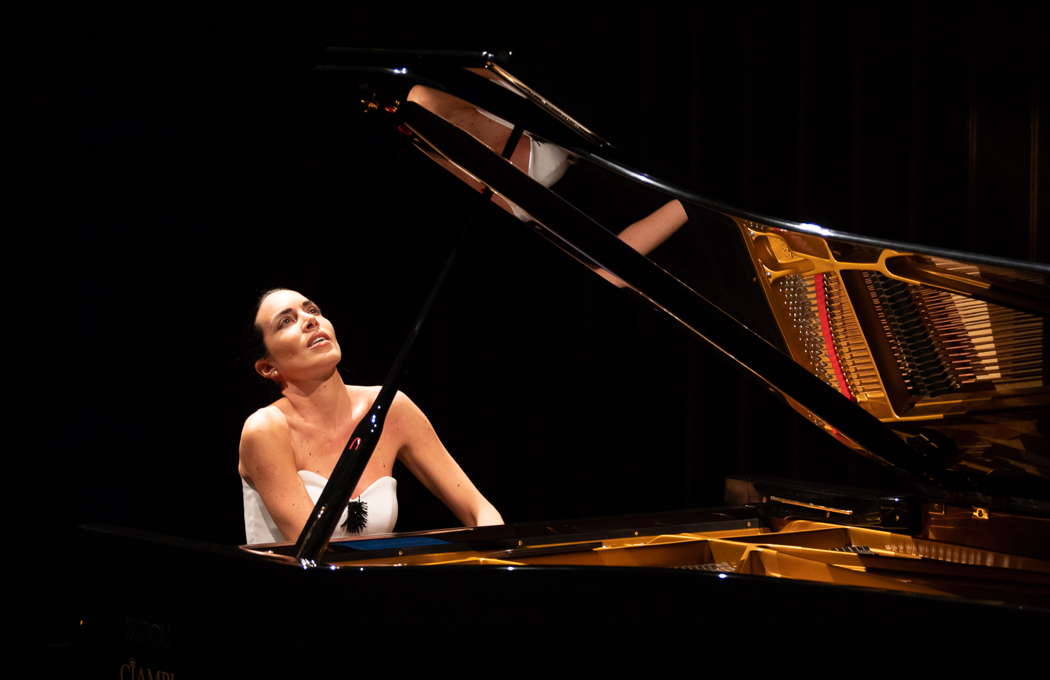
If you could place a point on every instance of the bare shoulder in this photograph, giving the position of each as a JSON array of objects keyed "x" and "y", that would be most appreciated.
[
  {"x": 264, "y": 437},
  {"x": 266, "y": 422},
  {"x": 410, "y": 422},
  {"x": 405, "y": 407}
]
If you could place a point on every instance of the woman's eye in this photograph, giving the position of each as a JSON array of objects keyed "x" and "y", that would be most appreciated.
[{"x": 283, "y": 321}]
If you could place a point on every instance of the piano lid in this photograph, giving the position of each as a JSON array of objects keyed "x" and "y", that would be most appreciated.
[{"x": 931, "y": 361}]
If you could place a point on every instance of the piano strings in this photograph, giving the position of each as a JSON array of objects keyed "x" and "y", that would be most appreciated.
[{"x": 900, "y": 348}]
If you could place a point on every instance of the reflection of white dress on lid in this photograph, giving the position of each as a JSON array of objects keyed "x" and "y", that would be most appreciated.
[
  {"x": 547, "y": 162},
  {"x": 380, "y": 497}
]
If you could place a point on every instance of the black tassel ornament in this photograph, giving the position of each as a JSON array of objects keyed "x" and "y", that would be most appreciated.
[{"x": 356, "y": 516}]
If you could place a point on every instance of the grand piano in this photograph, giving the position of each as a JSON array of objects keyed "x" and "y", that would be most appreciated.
[{"x": 930, "y": 362}]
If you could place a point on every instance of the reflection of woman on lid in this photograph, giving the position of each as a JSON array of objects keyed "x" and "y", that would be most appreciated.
[
  {"x": 542, "y": 161},
  {"x": 289, "y": 448}
]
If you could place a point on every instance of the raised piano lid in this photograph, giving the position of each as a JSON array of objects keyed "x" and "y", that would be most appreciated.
[{"x": 931, "y": 361}]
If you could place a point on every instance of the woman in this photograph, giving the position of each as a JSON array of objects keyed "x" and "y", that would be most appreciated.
[{"x": 289, "y": 448}]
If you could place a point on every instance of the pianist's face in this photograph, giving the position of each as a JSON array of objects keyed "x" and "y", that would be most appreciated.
[{"x": 300, "y": 341}]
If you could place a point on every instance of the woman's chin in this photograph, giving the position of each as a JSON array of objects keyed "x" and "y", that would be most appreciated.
[{"x": 321, "y": 369}]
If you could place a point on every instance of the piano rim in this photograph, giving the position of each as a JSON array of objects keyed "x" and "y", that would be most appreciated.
[{"x": 620, "y": 593}]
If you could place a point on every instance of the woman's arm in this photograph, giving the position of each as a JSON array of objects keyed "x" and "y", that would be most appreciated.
[
  {"x": 465, "y": 116},
  {"x": 649, "y": 232},
  {"x": 427, "y": 458},
  {"x": 655, "y": 228},
  {"x": 460, "y": 113},
  {"x": 268, "y": 463}
]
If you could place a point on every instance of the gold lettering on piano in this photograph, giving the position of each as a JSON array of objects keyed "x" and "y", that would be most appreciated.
[
  {"x": 133, "y": 671},
  {"x": 980, "y": 513}
]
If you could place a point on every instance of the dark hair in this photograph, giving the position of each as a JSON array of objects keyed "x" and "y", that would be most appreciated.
[
  {"x": 257, "y": 345},
  {"x": 254, "y": 343}
]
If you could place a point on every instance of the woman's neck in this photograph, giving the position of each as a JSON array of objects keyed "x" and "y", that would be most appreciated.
[{"x": 321, "y": 401}]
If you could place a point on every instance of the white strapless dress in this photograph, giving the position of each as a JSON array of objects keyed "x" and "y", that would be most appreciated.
[{"x": 381, "y": 497}]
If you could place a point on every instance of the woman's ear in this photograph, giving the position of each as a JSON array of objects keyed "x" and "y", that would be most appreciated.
[{"x": 267, "y": 370}]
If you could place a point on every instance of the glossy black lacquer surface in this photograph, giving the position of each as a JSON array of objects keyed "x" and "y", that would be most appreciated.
[{"x": 178, "y": 604}]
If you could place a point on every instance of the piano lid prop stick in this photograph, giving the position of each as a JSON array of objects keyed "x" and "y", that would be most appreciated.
[{"x": 359, "y": 448}]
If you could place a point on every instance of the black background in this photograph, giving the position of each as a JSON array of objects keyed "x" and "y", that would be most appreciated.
[{"x": 184, "y": 164}]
